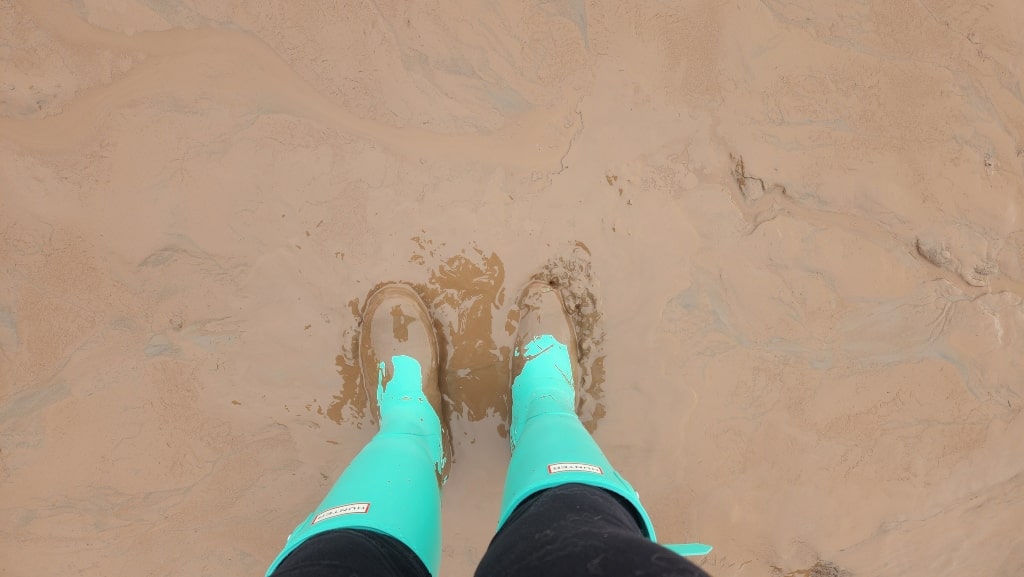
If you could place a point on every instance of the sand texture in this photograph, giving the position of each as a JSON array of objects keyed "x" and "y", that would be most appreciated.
[{"x": 790, "y": 231}]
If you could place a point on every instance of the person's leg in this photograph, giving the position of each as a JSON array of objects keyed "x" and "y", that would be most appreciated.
[
  {"x": 352, "y": 553},
  {"x": 576, "y": 529},
  {"x": 392, "y": 487},
  {"x": 552, "y": 449}
]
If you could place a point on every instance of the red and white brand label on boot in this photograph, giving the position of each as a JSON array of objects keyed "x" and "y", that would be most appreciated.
[
  {"x": 573, "y": 468},
  {"x": 350, "y": 509}
]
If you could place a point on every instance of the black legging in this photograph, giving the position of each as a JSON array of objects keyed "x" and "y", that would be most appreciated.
[{"x": 568, "y": 530}]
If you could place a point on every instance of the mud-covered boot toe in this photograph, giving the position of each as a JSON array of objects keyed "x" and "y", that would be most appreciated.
[
  {"x": 545, "y": 358},
  {"x": 397, "y": 337}
]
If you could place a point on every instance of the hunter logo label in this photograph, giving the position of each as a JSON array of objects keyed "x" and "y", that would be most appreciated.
[
  {"x": 350, "y": 509},
  {"x": 573, "y": 468}
]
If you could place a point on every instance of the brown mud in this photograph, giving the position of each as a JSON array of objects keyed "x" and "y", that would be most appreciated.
[{"x": 790, "y": 235}]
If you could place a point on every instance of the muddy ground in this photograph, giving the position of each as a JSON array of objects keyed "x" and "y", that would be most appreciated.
[{"x": 793, "y": 231}]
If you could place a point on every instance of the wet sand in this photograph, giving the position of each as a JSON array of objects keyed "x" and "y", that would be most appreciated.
[{"x": 792, "y": 234}]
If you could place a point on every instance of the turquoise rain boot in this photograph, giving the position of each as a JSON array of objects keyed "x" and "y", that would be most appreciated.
[
  {"x": 550, "y": 446},
  {"x": 393, "y": 486}
]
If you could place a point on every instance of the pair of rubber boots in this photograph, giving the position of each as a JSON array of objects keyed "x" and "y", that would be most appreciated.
[{"x": 393, "y": 486}]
